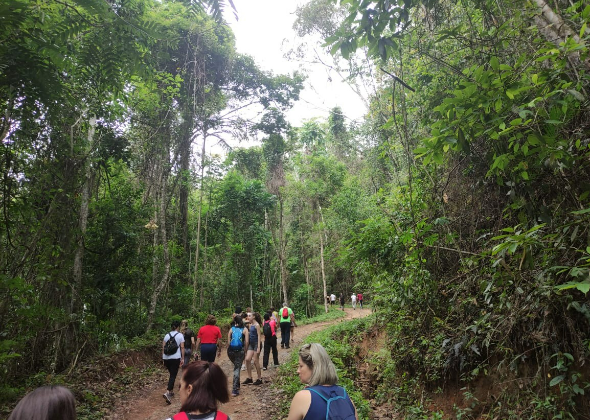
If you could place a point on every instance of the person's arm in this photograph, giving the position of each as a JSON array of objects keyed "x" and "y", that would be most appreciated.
[
  {"x": 219, "y": 343},
  {"x": 197, "y": 347},
  {"x": 163, "y": 344},
  {"x": 192, "y": 343},
  {"x": 300, "y": 405},
  {"x": 259, "y": 339},
  {"x": 182, "y": 353},
  {"x": 293, "y": 319},
  {"x": 246, "y": 338}
]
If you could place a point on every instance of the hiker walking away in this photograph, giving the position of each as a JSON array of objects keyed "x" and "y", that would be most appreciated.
[
  {"x": 173, "y": 356},
  {"x": 274, "y": 315},
  {"x": 189, "y": 341},
  {"x": 209, "y": 339},
  {"x": 342, "y": 301},
  {"x": 269, "y": 330},
  {"x": 332, "y": 299},
  {"x": 286, "y": 314},
  {"x": 237, "y": 338},
  {"x": 254, "y": 347},
  {"x": 321, "y": 398},
  {"x": 353, "y": 300},
  {"x": 360, "y": 299},
  {"x": 203, "y": 385}
]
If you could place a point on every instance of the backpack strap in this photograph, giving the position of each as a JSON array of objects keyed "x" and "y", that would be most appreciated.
[
  {"x": 221, "y": 416},
  {"x": 327, "y": 400},
  {"x": 180, "y": 416}
]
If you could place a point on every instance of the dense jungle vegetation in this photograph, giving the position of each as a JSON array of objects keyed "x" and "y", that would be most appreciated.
[{"x": 459, "y": 206}]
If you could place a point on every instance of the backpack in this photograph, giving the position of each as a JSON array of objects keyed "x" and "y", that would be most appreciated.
[
  {"x": 266, "y": 329},
  {"x": 171, "y": 346},
  {"x": 285, "y": 313},
  {"x": 338, "y": 407},
  {"x": 236, "y": 339},
  {"x": 183, "y": 416}
]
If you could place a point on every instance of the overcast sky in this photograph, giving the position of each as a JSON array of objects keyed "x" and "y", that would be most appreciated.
[{"x": 264, "y": 31}]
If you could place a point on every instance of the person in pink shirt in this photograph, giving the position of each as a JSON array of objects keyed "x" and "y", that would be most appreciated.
[
  {"x": 270, "y": 341},
  {"x": 209, "y": 339}
]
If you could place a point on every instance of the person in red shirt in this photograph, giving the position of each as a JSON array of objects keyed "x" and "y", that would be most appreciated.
[
  {"x": 209, "y": 339},
  {"x": 270, "y": 341},
  {"x": 360, "y": 299}
]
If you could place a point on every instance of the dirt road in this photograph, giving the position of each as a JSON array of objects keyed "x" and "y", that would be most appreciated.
[{"x": 148, "y": 404}]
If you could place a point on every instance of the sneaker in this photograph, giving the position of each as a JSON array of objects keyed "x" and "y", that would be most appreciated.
[
  {"x": 247, "y": 381},
  {"x": 258, "y": 382},
  {"x": 282, "y": 346},
  {"x": 243, "y": 367},
  {"x": 263, "y": 368},
  {"x": 287, "y": 347},
  {"x": 167, "y": 398},
  {"x": 235, "y": 393},
  {"x": 171, "y": 393}
]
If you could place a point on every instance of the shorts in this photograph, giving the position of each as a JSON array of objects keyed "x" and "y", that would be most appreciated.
[{"x": 253, "y": 345}]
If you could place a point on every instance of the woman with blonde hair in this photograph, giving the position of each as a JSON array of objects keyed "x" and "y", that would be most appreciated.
[
  {"x": 321, "y": 398},
  {"x": 254, "y": 347}
]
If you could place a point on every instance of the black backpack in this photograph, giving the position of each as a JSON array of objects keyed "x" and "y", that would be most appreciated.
[
  {"x": 171, "y": 346},
  {"x": 266, "y": 329}
]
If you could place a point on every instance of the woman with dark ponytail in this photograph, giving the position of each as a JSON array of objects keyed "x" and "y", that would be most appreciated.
[{"x": 202, "y": 387}]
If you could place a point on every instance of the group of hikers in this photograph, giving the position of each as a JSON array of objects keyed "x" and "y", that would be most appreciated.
[
  {"x": 245, "y": 343},
  {"x": 203, "y": 384},
  {"x": 354, "y": 298}
]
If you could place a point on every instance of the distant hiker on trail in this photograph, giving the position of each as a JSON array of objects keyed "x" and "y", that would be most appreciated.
[
  {"x": 50, "y": 402},
  {"x": 275, "y": 315},
  {"x": 203, "y": 385},
  {"x": 360, "y": 299},
  {"x": 342, "y": 301},
  {"x": 189, "y": 341},
  {"x": 173, "y": 355},
  {"x": 209, "y": 339},
  {"x": 237, "y": 339},
  {"x": 286, "y": 316},
  {"x": 353, "y": 300},
  {"x": 321, "y": 398},
  {"x": 332, "y": 299},
  {"x": 254, "y": 347},
  {"x": 269, "y": 330}
]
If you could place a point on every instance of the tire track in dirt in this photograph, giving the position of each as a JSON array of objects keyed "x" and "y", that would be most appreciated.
[{"x": 147, "y": 403}]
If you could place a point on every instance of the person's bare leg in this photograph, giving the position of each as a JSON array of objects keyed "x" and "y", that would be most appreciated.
[
  {"x": 257, "y": 364},
  {"x": 249, "y": 363}
]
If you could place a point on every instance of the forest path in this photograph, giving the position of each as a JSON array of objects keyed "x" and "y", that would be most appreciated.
[{"x": 147, "y": 403}]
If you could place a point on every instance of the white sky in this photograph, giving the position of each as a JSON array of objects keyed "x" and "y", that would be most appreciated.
[{"x": 265, "y": 31}]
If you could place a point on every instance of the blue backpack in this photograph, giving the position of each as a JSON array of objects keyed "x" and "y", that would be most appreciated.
[
  {"x": 236, "y": 339},
  {"x": 338, "y": 407}
]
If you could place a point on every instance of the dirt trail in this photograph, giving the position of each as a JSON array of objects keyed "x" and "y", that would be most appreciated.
[{"x": 148, "y": 404}]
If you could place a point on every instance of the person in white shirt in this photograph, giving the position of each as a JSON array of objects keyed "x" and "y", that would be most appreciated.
[
  {"x": 173, "y": 361},
  {"x": 353, "y": 299},
  {"x": 332, "y": 299}
]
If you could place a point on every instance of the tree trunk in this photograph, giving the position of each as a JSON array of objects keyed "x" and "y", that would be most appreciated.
[
  {"x": 83, "y": 219},
  {"x": 322, "y": 257},
  {"x": 199, "y": 210},
  {"x": 160, "y": 284},
  {"x": 556, "y": 31}
]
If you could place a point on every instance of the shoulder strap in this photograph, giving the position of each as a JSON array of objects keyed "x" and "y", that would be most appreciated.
[
  {"x": 180, "y": 416},
  {"x": 312, "y": 388},
  {"x": 220, "y": 416}
]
